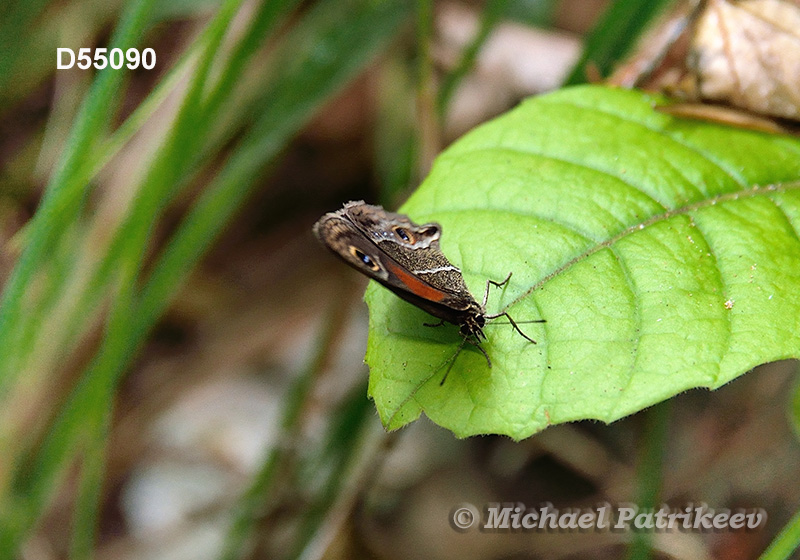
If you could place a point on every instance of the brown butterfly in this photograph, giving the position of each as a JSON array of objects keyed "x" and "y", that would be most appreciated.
[{"x": 406, "y": 258}]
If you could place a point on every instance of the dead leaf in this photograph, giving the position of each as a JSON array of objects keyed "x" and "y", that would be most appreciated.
[{"x": 747, "y": 54}]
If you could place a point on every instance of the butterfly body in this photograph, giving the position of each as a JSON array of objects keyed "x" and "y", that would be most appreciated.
[{"x": 404, "y": 257}]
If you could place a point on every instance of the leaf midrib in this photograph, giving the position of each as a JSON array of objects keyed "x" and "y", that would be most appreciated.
[{"x": 751, "y": 192}]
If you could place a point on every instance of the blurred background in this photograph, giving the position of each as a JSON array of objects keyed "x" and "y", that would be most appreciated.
[{"x": 182, "y": 364}]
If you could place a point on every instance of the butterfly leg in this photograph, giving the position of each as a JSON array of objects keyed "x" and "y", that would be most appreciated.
[
  {"x": 485, "y": 354},
  {"x": 514, "y": 324},
  {"x": 439, "y": 324},
  {"x": 503, "y": 283},
  {"x": 498, "y": 284},
  {"x": 516, "y": 327}
]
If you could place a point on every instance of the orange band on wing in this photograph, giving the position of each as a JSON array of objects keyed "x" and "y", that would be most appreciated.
[{"x": 415, "y": 285}]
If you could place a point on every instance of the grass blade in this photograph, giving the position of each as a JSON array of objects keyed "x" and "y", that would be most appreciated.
[
  {"x": 614, "y": 36},
  {"x": 65, "y": 190}
]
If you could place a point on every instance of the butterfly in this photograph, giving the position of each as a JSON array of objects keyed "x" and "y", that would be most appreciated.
[{"x": 406, "y": 258}]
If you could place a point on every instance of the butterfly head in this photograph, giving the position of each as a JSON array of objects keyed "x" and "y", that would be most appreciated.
[{"x": 473, "y": 321}]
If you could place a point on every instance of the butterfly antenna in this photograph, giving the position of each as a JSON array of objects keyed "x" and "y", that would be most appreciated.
[
  {"x": 518, "y": 322},
  {"x": 452, "y": 361}
]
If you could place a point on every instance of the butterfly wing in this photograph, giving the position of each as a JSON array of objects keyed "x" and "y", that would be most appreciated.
[{"x": 401, "y": 255}]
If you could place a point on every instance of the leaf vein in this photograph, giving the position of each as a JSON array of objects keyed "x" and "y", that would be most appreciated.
[
  {"x": 578, "y": 164},
  {"x": 725, "y": 197},
  {"x": 586, "y": 236},
  {"x": 787, "y": 218},
  {"x": 724, "y": 169},
  {"x": 723, "y": 292},
  {"x": 637, "y": 317}
]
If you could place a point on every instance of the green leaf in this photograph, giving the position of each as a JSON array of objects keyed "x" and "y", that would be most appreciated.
[{"x": 663, "y": 254}]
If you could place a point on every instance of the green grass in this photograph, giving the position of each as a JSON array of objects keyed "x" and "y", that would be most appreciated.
[
  {"x": 87, "y": 289},
  {"x": 320, "y": 53}
]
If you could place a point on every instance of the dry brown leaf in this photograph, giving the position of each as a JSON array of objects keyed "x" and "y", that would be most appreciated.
[
  {"x": 747, "y": 54},
  {"x": 730, "y": 61}
]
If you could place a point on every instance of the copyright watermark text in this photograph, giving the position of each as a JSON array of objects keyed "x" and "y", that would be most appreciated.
[{"x": 511, "y": 516}]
